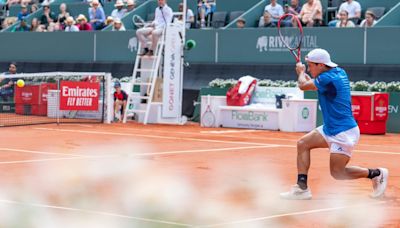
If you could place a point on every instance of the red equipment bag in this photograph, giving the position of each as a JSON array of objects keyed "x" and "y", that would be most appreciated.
[{"x": 234, "y": 98}]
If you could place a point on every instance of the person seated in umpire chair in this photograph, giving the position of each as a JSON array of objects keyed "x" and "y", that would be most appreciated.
[{"x": 120, "y": 102}]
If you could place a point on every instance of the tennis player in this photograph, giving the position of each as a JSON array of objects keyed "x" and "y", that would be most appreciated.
[{"x": 339, "y": 132}]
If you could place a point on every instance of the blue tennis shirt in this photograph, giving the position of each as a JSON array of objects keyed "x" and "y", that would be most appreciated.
[{"x": 335, "y": 101}]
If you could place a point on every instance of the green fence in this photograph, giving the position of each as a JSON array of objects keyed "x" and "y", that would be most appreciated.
[{"x": 261, "y": 46}]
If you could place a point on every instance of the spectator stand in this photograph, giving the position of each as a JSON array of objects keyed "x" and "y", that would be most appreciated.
[{"x": 38, "y": 13}]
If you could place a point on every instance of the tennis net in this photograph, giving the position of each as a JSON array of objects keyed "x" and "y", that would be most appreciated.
[{"x": 55, "y": 97}]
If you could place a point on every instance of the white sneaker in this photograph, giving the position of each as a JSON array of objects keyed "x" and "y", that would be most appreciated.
[
  {"x": 379, "y": 183},
  {"x": 296, "y": 193}
]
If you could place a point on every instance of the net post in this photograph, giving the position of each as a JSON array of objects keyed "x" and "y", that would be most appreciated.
[
  {"x": 59, "y": 100},
  {"x": 108, "y": 99}
]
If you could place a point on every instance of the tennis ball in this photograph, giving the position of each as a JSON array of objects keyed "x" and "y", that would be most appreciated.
[
  {"x": 20, "y": 83},
  {"x": 190, "y": 44}
]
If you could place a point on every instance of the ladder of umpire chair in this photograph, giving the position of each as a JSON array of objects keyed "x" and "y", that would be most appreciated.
[{"x": 150, "y": 84}]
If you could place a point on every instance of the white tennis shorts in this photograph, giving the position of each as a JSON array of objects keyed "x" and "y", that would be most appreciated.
[{"x": 342, "y": 143}]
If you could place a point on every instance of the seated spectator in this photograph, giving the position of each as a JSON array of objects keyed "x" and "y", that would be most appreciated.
[
  {"x": 311, "y": 13},
  {"x": 83, "y": 25},
  {"x": 353, "y": 8},
  {"x": 70, "y": 25},
  {"x": 205, "y": 9},
  {"x": 344, "y": 20},
  {"x": 266, "y": 21},
  {"x": 34, "y": 8},
  {"x": 34, "y": 24},
  {"x": 294, "y": 7},
  {"x": 96, "y": 15},
  {"x": 22, "y": 27},
  {"x": 12, "y": 2},
  {"x": 120, "y": 100},
  {"x": 41, "y": 28},
  {"x": 23, "y": 13},
  {"x": 47, "y": 2},
  {"x": 119, "y": 11},
  {"x": 7, "y": 84},
  {"x": 63, "y": 15},
  {"x": 130, "y": 5},
  {"x": 47, "y": 16},
  {"x": 53, "y": 27},
  {"x": 25, "y": 2},
  {"x": 370, "y": 19},
  {"x": 189, "y": 16},
  {"x": 275, "y": 10},
  {"x": 8, "y": 21},
  {"x": 109, "y": 21},
  {"x": 118, "y": 25},
  {"x": 241, "y": 23}
]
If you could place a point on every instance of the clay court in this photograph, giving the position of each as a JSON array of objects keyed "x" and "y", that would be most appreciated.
[{"x": 133, "y": 175}]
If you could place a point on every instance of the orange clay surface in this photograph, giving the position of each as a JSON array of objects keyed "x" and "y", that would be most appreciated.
[{"x": 243, "y": 170}]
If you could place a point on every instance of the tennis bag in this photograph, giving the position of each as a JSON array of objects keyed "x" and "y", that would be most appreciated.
[{"x": 234, "y": 98}]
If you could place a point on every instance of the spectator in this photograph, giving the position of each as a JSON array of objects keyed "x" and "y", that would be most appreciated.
[
  {"x": 23, "y": 13},
  {"x": 34, "y": 24},
  {"x": 119, "y": 11},
  {"x": 130, "y": 5},
  {"x": 63, "y": 15},
  {"x": 120, "y": 100},
  {"x": 163, "y": 16},
  {"x": 47, "y": 16},
  {"x": 311, "y": 13},
  {"x": 266, "y": 21},
  {"x": 344, "y": 20},
  {"x": 241, "y": 23},
  {"x": 83, "y": 25},
  {"x": 25, "y": 2},
  {"x": 23, "y": 26},
  {"x": 275, "y": 10},
  {"x": 9, "y": 21},
  {"x": 205, "y": 9},
  {"x": 370, "y": 19},
  {"x": 12, "y": 2},
  {"x": 96, "y": 15},
  {"x": 189, "y": 16},
  {"x": 109, "y": 20},
  {"x": 7, "y": 84},
  {"x": 34, "y": 8},
  {"x": 118, "y": 25},
  {"x": 294, "y": 7},
  {"x": 47, "y": 2},
  {"x": 53, "y": 27},
  {"x": 70, "y": 25},
  {"x": 353, "y": 9}
]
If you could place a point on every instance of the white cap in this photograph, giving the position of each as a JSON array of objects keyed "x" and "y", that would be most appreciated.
[{"x": 319, "y": 55}]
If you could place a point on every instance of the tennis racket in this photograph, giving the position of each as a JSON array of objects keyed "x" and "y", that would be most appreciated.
[
  {"x": 208, "y": 117},
  {"x": 291, "y": 34}
]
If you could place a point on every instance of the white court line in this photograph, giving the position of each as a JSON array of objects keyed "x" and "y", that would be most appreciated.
[
  {"x": 291, "y": 214},
  {"x": 227, "y": 131},
  {"x": 38, "y": 152},
  {"x": 94, "y": 212},
  {"x": 154, "y": 136},
  {"x": 240, "y": 137},
  {"x": 135, "y": 155},
  {"x": 201, "y": 140}
]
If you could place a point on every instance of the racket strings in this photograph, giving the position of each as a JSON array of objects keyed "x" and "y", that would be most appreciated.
[{"x": 290, "y": 31}]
